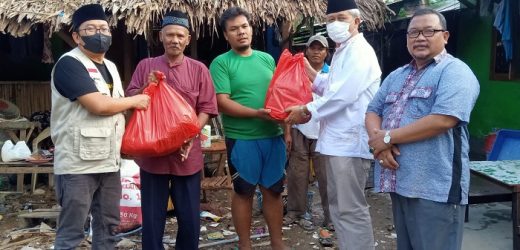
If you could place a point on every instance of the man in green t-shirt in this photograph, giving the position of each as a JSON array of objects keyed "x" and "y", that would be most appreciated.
[{"x": 255, "y": 145}]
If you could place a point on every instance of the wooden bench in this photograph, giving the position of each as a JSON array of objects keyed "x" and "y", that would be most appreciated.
[
  {"x": 20, "y": 168},
  {"x": 222, "y": 177}
]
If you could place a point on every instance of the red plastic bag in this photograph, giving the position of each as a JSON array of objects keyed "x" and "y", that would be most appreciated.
[
  {"x": 164, "y": 126},
  {"x": 289, "y": 86}
]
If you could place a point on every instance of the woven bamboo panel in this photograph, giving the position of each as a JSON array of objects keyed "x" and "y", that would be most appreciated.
[{"x": 28, "y": 96}]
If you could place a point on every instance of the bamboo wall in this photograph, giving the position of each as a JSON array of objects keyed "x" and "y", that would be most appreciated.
[{"x": 29, "y": 96}]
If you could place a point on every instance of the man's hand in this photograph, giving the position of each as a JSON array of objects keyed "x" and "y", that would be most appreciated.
[
  {"x": 264, "y": 114},
  {"x": 288, "y": 141},
  {"x": 386, "y": 158},
  {"x": 186, "y": 148},
  {"x": 309, "y": 70},
  {"x": 376, "y": 142},
  {"x": 151, "y": 79},
  {"x": 297, "y": 115},
  {"x": 140, "y": 101}
]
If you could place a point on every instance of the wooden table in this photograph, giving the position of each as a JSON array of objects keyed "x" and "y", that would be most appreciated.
[
  {"x": 507, "y": 175},
  {"x": 18, "y": 130},
  {"x": 20, "y": 168}
]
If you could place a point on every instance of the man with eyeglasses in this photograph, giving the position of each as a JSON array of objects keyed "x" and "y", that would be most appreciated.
[
  {"x": 417, "y": 124},
  {"x": 87, "y": 127},
  {"x": 345, "y": 92},
  {"x": 255, "y": 145},
  {"x": 178, "y": 174}
]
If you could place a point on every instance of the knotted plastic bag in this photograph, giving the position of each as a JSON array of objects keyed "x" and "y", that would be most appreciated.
[
  {"x": 15, "y": 152},
  {"x": 290, "y": 85},
  {"x": 162, "y": 128}
]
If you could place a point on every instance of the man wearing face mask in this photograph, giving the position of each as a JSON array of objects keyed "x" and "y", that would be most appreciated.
[
  {"x": 87, "y": 127},
  {"x": 345, "y": 93}
]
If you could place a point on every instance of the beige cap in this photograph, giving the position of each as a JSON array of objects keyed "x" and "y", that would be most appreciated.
[{"x": 318, "y": 38}]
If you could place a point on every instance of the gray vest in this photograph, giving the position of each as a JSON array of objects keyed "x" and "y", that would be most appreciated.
[{"x": 86, "y": 143}]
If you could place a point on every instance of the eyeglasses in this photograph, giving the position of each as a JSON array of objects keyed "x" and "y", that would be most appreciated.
[
  {"x": 426, "y": 33},
  {"x": 93, "y": 30}
]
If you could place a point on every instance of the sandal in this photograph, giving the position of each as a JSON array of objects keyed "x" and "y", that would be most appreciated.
[
  {"x": 327, "y": 224},
  {"x": 325, "y": 238},
  {"x": 288, "y": 220},
  {"x": 306, "y": 225}
]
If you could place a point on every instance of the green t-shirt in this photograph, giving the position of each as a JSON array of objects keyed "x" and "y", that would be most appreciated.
[{"x": 246, "y": 80}]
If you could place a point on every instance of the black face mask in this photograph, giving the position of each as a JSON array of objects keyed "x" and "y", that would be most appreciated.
[{"x": 97, "y": 43}]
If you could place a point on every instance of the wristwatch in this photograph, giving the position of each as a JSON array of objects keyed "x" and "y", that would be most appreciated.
[{"x": 387, "y": 137}]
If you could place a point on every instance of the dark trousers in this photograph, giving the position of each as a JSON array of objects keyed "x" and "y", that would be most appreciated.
[
  {"x": 185, "y": 194},
  {"x": 81, "y": 194},
  {"x": 427, "y": 225},
  {"x": 302, "y": 152}
]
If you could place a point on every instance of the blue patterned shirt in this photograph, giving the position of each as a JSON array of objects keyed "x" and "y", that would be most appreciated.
[{"x": 428, "y": 169}]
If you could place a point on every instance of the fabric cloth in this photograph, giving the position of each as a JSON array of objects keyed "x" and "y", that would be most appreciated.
[
  {"x": 191, "y": 79},
  {"x": 257, "y": 162},
  {"x": 68, "y": 68},
  {"x": 246, "y": 80},
  {"x": 418, "y": 221},
  {"x": 82, "y": 194},
  {"x": 345, "y": 93},
  {"x": 311, "y": 129},
  {"x": 426, "y": 168},
  {"x": 503, "y": 24},
  {"x": 185, "y": 194},
  {"x": 86, "y": 13},
  {"x": 346, "y": 179},
  {"x": 86, "y": 143},
  {"x": 298, "y": 170}
]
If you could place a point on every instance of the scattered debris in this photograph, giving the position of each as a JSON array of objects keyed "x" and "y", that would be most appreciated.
[
  {"x": 203, "y": 229},
  {"x": 210, "y": 216},
  {"x": 39, "y": 191},
  {"x": 214, "y": 224},
  {"x": 126, "y": 243},
  {"x": 29, "y": 248},
  {"x": 227, "y": 232},
  {"x": 216, "y": 236},
  {"x": 261, "y": 244}
]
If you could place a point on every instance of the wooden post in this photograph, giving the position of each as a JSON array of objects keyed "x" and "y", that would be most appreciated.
[
  {"x": 128, "y": 55},
  {"x": 193, "y": 46}
]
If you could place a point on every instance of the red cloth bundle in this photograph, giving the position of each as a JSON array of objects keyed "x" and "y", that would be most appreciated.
[
  {"x": 290, "y": 85},
  {"x": 164, "y": 126}
]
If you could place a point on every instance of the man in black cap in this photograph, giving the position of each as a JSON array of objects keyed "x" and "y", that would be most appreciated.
[
  {"x": 87, "y": 126},
  {"x": 345, "y": 93},
  {"x": 176, "y": 175}
]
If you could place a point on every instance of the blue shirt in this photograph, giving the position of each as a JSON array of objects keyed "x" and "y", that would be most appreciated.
[{"x": 426, "y": 168}]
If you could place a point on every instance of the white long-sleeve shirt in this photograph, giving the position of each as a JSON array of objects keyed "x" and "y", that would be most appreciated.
[{"x": 351, "y": 84}]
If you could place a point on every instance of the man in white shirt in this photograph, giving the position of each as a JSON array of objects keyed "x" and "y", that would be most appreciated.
[{"x": 352, "y": 82}]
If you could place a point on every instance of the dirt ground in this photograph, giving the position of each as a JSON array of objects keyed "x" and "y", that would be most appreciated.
[{"x": 17, "y": 233}]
